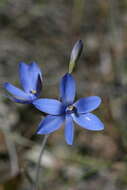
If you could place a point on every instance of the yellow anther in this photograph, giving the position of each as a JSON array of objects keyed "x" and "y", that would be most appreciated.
[
  {"x": 71, "y": 107},
  {"x": 33, "y": 91}
]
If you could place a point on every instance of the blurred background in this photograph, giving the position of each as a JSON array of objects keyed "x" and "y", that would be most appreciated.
[{"x": 45, "y": 31}]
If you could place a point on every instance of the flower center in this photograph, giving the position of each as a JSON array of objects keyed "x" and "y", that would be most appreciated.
[
  {"x": 70, "y": 109},
  {"x": 33, "y": 91}
]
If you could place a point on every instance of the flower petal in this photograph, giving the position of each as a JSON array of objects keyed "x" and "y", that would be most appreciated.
[
  {"x": 88, "y": 121},
  {"x": 50, "y": 106},
  {"x": 67, "y": 89},
  {"x": 38, "y": 86},
  {"x": 50, "y": 124},
  {"x": 36, "y": 76},
  {"x": 15, "y": 91},
  {"x": 19, "y": 100},
  {"x": 88, "y": 104},
  {"x": 29, "y": 74},
  {"x": 25, "y": 79},
  {"x": 69, "y": 129}
]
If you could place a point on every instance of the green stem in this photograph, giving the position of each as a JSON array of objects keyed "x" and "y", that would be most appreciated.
[
  {"x": 71, "y": 67},
  {"x": 36, "y": 183}
]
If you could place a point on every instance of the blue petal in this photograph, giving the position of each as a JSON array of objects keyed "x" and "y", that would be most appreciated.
[
  {"x": 85, "y": 105},
  {"x": 88, "y": 121},
  {"x": 29, "y": 74},
  {"x": 25, "y": 79},
  {"x": 50, "y": 106},
  {"x": 69, "y": 130},
  {"x": 38, "y": 86},
  {"x": 15, "y": 91},
  {"x": 36, "y": 77},
  {"x": 50, "y": 124},
  {"x": 67, "y": 89},
  {"x": 19, "y": 100}
]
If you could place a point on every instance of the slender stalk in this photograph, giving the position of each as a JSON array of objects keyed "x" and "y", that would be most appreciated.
[{"x": 36, "y": 183}]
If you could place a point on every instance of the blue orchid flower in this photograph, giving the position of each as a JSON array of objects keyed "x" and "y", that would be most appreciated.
[
  {"x": 31, "y": 81},
  {"x": 66, "y": 111}
]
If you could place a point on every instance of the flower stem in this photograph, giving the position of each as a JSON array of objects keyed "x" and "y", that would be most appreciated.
[{"x": 36, "y": 183}]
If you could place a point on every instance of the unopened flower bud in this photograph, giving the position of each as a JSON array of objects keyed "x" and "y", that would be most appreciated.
[{"x": 75, "y": 54}]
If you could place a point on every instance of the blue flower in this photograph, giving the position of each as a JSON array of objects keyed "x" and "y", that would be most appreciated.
[
  {"x": 66, "y": 111},
  {"x": 31, "y": 81}
]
